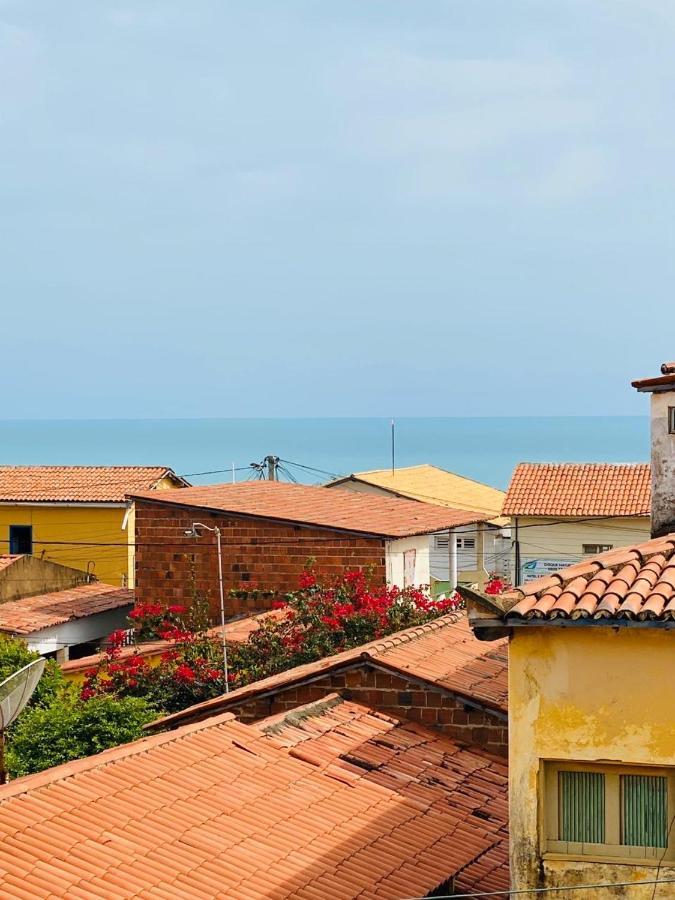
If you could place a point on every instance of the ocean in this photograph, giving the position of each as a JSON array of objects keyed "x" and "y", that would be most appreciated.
[{"x": 486, "y": 448}]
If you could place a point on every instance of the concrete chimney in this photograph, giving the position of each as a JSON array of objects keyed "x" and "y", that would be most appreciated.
[{"x": 662, "y": 389}]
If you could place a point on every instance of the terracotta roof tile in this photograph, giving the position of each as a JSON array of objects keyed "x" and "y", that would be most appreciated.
[
  {"x": 633, "y": 583},
  {"x": 579, "y": 489},
  {"x": 31, "y": 614},
  {"x": 7, "y": 559},
  {"x": 389, "y": 517},
  {"x": 72, "y": 484},
  {"x": 222, "y": 808},
  {"x": 412, "y": 761},
  {"x": 443, "y": 653},
  {"x": 664, "y": 381}
]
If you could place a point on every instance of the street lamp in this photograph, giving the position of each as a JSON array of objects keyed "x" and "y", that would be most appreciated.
[{"x": 192, "y": 532}]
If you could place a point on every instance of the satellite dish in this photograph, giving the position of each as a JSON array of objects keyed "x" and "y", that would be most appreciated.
[{"x": 15, "y": 692}]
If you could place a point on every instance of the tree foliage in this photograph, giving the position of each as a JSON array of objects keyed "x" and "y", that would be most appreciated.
[
  {"x": 68, "y": 729},
  {"x": 14, "y": 655}
]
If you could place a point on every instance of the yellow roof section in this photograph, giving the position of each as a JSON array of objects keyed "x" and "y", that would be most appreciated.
[{"x": 434, "y": 485}]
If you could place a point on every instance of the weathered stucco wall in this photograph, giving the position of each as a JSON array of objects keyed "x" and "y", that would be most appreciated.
[
  {"x": 29, "y": 576},
  {"x": 585, "y": 694},
  {"x": 663, "y": 465}
]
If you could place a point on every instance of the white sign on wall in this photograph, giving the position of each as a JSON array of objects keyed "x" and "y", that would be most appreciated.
[{"x": 535, "y": 568}]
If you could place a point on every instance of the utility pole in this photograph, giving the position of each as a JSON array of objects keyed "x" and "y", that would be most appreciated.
[
  {"x": 194, "y": 533},
  {"x": 272, "y": 462}
]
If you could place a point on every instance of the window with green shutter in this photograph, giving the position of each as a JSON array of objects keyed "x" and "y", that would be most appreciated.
[
  {"x": 644, "y": 810},
  {"x": 614, "y": 812},
  {"x": 582, "y": 807}
]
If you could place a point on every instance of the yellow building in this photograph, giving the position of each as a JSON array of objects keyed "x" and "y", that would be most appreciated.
[
  {"x": 562, "y": 513},
  {"x": 591, "y": 722},
  {"x": 481, "y": 549},
  {"x": 76, "y": 515}
]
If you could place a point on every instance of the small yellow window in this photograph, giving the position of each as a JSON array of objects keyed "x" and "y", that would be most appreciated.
[{"x": 611, "y": 812}]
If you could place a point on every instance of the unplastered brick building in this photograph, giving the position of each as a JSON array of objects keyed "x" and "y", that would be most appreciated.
[
  {"x": 435, "y": 674},
  {"x": 269, "y": 532}
]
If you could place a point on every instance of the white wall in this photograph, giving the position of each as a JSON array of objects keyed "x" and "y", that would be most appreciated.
[
  {"x": 69, "y": 634},
  {"x": 394, "y": 556}
]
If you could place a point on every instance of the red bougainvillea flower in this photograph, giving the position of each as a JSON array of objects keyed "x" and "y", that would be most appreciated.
[
  {"x": 185, "y": 673},
  {"x": 176, "y": 608},
  {"x": 306, "y": 580},
  {"x": 495, "y": 585},
  {"x": 279, "y": 604}
]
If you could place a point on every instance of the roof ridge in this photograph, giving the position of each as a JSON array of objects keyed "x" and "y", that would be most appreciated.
[
  {"x": 298, "y": 714},
  {"x": 410, "y": 634},
  {"x": 590, "y": 463},
  {"x": 67, "y": 770},
  {"x": 83, "y": 466}
]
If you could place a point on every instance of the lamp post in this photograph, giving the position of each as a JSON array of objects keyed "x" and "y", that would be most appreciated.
[{"x": 192, "y": 532}]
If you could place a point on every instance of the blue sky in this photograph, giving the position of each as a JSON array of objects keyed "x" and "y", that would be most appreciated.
[{"x": 348, "y": 208}]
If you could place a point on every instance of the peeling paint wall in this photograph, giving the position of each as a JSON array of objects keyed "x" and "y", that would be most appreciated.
[
  {"x": 585, "y": 695},
  {"x": 663, "y": 465}
]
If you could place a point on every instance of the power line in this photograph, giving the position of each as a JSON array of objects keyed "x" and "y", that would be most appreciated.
[
  {"x": 310, "y": 468},
  {"x": 545, "y": 890}
]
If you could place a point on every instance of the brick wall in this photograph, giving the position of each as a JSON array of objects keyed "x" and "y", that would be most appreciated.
[
  {"x": 395, "y": 695},
  {"x": 257, "y": 554}
]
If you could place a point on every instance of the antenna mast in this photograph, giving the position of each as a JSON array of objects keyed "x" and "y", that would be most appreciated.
[{"x": 393, "y": 446}]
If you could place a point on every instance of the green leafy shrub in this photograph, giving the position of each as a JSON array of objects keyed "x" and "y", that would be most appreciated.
[
  {"x": 14, "y": 655},
  {"x": 68, "y": 729}
]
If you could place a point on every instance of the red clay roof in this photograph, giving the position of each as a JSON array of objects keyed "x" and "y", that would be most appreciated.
[
  {"x": 73, "y": 484},
  {"x": 223, "y": 809},
  {"x": 31, "y": 614},
  {"x": 443, "y": 653},
  {"x": 237, "y": 632},
  {"x": 664, "y": 381},
  {"x": 579, "y": 489},
  {"x": 411, "y": 760},
  {"x": 388, "y": 517},
  {"x": 632, "y": 583}
]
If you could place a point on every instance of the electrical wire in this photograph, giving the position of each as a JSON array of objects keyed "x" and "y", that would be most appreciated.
[
  {"x": 311, "y": 469},
  {"x": 571, "y": 887}
]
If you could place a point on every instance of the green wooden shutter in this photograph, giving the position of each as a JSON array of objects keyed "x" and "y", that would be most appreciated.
[
  {"x": 644, "y": 807},
  {"x": 582, "y": 807}
]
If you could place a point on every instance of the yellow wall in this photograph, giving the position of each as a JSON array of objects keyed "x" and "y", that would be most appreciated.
[
  {"x": 94, "y": 524},
  {"x": 585, "y": 694}
]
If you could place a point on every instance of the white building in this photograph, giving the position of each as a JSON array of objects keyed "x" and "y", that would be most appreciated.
[
  {"x": 482, "y": 548},
  {"x": 68, "y": 622}
]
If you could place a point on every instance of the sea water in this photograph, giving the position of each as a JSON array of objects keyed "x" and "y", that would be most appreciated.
[{"x": 486, "y": 448}]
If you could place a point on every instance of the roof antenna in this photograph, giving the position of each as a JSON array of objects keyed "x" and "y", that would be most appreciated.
[
  {"x": 15, "y": 692},
  {"x": 393, "y": 447}
]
